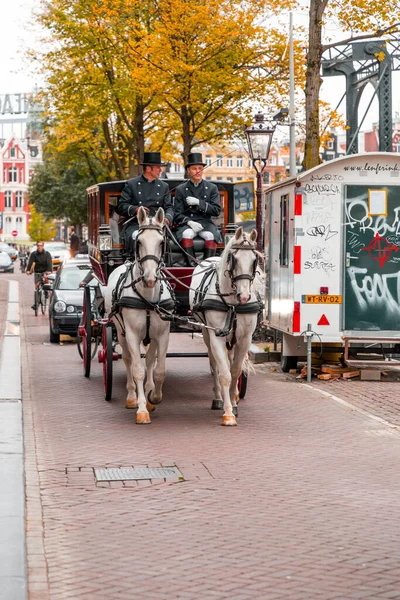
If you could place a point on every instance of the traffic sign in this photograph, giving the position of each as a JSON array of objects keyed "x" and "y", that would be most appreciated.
[{"x": 14, "y": 233}]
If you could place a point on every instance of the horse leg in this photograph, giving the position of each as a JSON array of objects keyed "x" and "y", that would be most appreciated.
[
  {"x": 236, "y": 369},
  {"x": 217, "y": 403},
  {"x": 133, "y": 338},
  {"x": 131, "y": 399},
  {"x": 151, "y": 356},
  {"x": 155, "y": 396},
  {"x": 224, "y": 373}
]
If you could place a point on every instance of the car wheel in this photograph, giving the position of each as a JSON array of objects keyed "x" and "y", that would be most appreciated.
[{"x": 54, "y": 337}]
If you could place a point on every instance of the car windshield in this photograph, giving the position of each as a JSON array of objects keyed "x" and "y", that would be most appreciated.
[{"x": 70, "y": 277}]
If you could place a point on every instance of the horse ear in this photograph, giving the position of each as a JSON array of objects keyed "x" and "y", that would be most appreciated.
[
  {"x": 141, "y": 216},
  {"x": 239, "y": 233},
  {"x": 160, "y": 216},
  {"x": 253, "y": 235}
]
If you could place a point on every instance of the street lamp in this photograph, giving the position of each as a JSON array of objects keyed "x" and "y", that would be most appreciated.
[{"x": 259, "y": 139}]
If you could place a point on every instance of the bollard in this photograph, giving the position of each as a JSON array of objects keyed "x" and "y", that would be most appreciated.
[{"x": 309, "y": 334}]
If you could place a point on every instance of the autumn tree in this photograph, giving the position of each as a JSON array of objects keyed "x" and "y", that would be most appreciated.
[
  {"x": 124, "y": 73},
  {"x": 364, "y": 19},
  {"x": 40, "y": 228}
]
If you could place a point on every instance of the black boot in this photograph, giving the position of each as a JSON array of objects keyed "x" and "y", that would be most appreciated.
[
  {"x": 209, "y": 251},
  {"x": 189, "y": 251}
]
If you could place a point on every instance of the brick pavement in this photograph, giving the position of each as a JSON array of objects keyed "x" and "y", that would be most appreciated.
[{"x": 299, "y": 502}]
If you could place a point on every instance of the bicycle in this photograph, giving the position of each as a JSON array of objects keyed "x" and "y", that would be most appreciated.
[{"x": 41, "y": 297}]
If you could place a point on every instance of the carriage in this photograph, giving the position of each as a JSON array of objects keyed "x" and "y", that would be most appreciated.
[{"x": 107, "y": 252}]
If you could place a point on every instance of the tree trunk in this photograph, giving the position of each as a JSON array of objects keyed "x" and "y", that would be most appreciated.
[
  {"x": 186, "y": 134},
  {"x": 139, "y": 137},
  {"x": 313, "y": 84}
]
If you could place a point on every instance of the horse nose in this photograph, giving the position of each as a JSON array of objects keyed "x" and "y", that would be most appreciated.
[
  {"x": 243, "y": 298},
  {"x": 151, "y": 283}
]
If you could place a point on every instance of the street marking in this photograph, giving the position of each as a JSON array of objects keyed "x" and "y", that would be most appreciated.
[{"x": 354, "y": 408}]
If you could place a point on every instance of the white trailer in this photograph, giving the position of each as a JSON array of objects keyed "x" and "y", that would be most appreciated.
[{"x": 332, "y": 240}]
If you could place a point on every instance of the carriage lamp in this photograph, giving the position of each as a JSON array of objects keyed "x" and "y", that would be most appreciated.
[
  {"x": 259, "y": 139},
  {"x": 105, "y": 238}
]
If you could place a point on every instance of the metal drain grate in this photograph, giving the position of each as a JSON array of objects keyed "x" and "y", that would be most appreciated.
[{"x": 130, "y": 474}]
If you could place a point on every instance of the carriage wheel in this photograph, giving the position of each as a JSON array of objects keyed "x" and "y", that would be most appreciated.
[
  {"x": 87, "y": 332},
  {"x": 107, "y": 361},
  {"x": 242, "y": 384}
]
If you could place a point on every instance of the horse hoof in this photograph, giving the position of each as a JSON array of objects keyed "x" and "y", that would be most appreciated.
[
  {"x": 142, "y": 418},
  {"x": 217, "y": 405},
  {"x": 235, "y": 411},
  {"x": 131, "y": 403},
  {"x": 229, "y": 421},
  {"x": 151, "y": 400},
  {"x": 150, "y": 407}
]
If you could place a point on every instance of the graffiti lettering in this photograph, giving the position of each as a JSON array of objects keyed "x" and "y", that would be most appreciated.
[
  {"x": 327, "y": 189},
  {"x": 320, "y": 265},
  {"x": 357, "y": 214},
  {"x": 354, "y": 243},
  {"x": 320, "y": 253},
  {"x": 322, "y": 231},
  {"x": 326, "y": 177},
  {"x": 376, "y": 291}
]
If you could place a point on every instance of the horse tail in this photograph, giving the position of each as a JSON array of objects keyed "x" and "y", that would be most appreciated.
[{"x": 247, "y": 366}]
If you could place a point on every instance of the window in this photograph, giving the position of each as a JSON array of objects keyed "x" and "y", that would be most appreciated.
[
  {"x": 219, "y": 160},
  {"x": 229, "y": 162},
  {"x": 13, "y": 152},
  {"x": 278, "y": 177},
  {"x": 208, "y": 178},
  {"x": 266, "y": 177},
  {"x": 19, "y": 199},
  {"x": 8, "y": 199},
  {"x": 396, "y": 147},
  {"x": 8, "y": 228},
  {"x": 239, "y": 178},
  {"x": 239, "y": 161},
  {"x": 284, "y": 231},
  {"x": 208, "y": 160},
  {"x": 272, "y": 160},
  {"x": 12, "y": 174},
  {"x": 219, "y": 178},
  {"x": 229, "y": 179},
  {"x": 19, "y": 223}
]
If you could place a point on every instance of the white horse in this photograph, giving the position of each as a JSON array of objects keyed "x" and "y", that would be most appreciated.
[
  {"x": 221, "y": 299},
  {"x": 138, "y": 293}
]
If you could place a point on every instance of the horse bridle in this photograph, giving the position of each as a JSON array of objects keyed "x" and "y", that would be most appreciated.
[
  {"x": 243, "y": 245},
  {"x": 157, "y": 259}
]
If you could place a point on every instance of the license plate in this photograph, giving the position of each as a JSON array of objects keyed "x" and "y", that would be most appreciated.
[{"x": 321, "y": 299}]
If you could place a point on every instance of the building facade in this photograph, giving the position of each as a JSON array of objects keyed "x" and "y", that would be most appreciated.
[{"x": 20, "y": 152}]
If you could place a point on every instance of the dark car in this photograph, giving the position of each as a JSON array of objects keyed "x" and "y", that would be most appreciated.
[
  {"x": 6, "y": 264},
  {"x": 66, "y": 303}
]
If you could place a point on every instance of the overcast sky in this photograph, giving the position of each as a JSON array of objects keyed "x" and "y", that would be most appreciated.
[{"x": 16, "y": 76}]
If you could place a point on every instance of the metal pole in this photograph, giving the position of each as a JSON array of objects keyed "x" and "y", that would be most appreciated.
[
  {"x": 309, "y": 352},
  {"x": 292, "y": 124},
  {"x": 259, "y": 208}
]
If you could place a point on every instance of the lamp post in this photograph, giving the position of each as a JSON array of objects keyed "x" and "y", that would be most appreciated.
[{"x": 259, "y": 138}]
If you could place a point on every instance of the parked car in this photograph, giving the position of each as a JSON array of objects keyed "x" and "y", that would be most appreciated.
[
  {"x": 9, "y": 249},
  {"x": 6, "y": 263},
  {"x": 66, "y": 302},
  {"x": 59, "y": 252}
]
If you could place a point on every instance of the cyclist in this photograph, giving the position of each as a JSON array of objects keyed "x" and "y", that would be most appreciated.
[{"x": 40, "y": 263}]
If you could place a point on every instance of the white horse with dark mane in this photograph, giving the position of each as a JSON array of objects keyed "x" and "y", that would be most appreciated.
[
  {"x": 222, "y": 298},
  {"x": 134, "y": 298}
]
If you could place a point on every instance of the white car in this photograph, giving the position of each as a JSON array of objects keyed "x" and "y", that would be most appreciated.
[
  {"x": 6, "y": 263},
  {"x": 59, "y": 252}
]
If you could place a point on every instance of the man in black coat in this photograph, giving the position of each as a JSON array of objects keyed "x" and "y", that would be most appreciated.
[
  {"x": 41, "y": 263},
  {"x": 146, "y": 190},
  {"x": 196, "y": 202}
]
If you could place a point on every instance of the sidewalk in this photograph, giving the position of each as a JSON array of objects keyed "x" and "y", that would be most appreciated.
[{"x": 12, "y": 498}]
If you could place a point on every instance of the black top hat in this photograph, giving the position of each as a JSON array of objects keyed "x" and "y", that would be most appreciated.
[
  {"x": 195, "y": 158},
  {"x": 152, "y": 159}
]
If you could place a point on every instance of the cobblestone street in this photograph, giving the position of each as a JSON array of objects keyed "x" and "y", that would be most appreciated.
[{"x": 299, "y": 502}]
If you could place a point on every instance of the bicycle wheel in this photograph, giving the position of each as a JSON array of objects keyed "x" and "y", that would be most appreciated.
[
  {"x": 42, "y": 302},
  {"x": 36, "y": 302}
]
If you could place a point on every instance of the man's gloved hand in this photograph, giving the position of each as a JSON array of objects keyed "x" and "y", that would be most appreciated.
[
  {"x": 195, "y": 226},
  {"x": 192, "y": 201}
]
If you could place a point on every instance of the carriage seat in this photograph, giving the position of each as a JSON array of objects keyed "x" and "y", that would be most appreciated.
[{"x": 175, "y": 257}]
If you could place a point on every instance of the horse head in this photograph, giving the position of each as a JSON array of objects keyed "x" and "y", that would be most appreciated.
[
  {"x": 241, "y": 261},
  {"x": 150, "y": 245}
]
